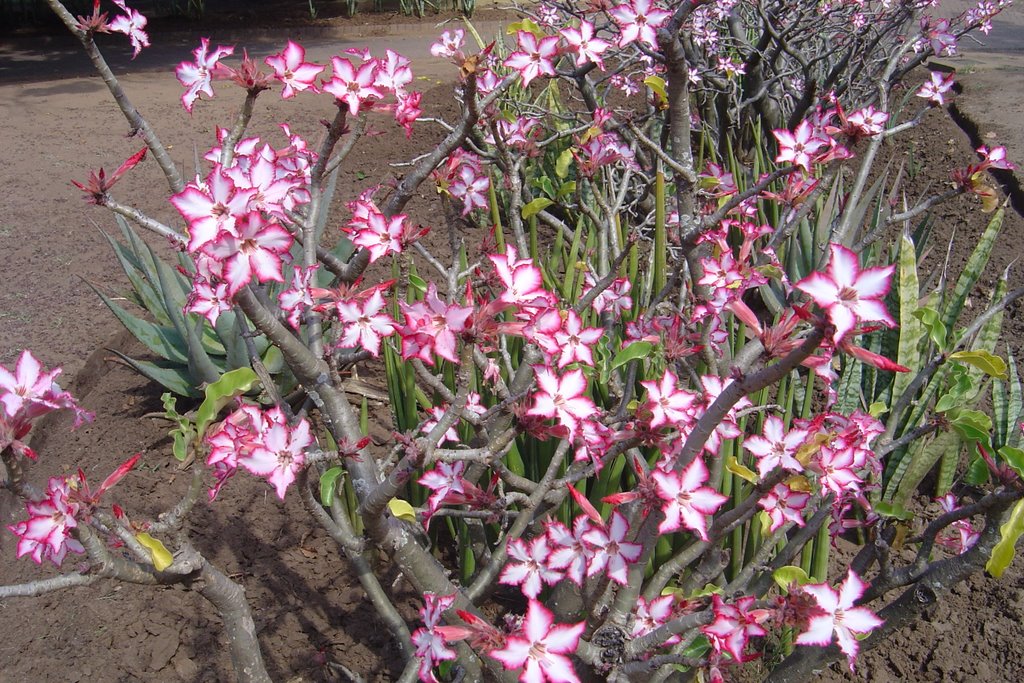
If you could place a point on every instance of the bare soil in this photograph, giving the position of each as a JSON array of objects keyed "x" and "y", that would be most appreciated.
[{"x": 59, "y": 123}]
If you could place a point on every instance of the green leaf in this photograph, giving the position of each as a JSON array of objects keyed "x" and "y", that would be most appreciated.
[
  {"x": 418, "y": 283},
  {"x": 787, "y": 576},
  {"x": 220, "y": 393},
  {"x": 1014, "y": 457},
  {"x": 168, "y": 374},
  {"x": 536, "y": 206},
  {"x": 636, "y": 350},
  {"x": 162, "y": 341},
  {"x": 892, "y": 510},
  {"x": 698, "y": 648},
  {"x": 923, "y": 456},
  {"x": 183, "y": 434},
  {"x": 936, "y": 330},
  {"x": 329, "y": 484},
  {"x": 158, "y": 552},
  {"x": 973, "y": 425},
  {"x": 1002, "y": 554},
  {"x": 566, "y": 188},
  {"x": 1015, "y": 405},
  {"x": 879, "y": 407},
  {"x": 977, "y": 472},
  {"x": 911, "y": 330},
  {"x": 972, "y": 270},
  {"x": 709, "y": 589},
  {"x": 988, "y": 363}
]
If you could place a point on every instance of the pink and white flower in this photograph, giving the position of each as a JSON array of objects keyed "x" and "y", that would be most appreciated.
[
  {"x": 132, "y": 24},
  {"x": 687, "y": 503},
  {"x": 356, "y": 88},
  {"x": 839, "y": 616},
  {"x": 934, "y": 90},
  {"x": 799, "y": 147},
  {"x": 365, "y": 324},
  {"x": 849, "y": 294},
  {"x": 540, "y": 649},
  {"x": 428, "y": 640},
  {"x": 280, "y": 454},
  {"x": 777, "y": 448},
  {"x": 534, "y": 57},
  {"x": 253, "y": 248},
  {"x": 611, "y": 553},
  {"x": 291, "y": 68},
  {"x": 583, "y": 42},
  {"x": 639, "y": 20},
  {"x": 528, "y": 567},
  {"x": 783, "y": 505},
  {"x": 197, "y": 76}
]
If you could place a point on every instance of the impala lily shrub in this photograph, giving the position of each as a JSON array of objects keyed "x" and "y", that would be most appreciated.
[{"x": 646, "y": 367}]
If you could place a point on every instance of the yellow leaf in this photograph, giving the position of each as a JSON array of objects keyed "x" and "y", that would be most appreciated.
[
  {"x": 402, "y": 510},
  {"x": 740, "y": 471},
  {"x": 160, "y": 555},
  {"x": 657, "y": 85},
  {"x": 527, "y": 25},
  {"x": 877, "y": 408},
  {"x": 809, "y": 449},
  {"x": 1003, "y": 552},
  {"x": 987, "y": 362},
  {"x": 799, "y": 483}
]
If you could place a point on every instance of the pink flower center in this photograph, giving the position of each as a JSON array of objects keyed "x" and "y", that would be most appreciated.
[{"x": 848, "y": 295}]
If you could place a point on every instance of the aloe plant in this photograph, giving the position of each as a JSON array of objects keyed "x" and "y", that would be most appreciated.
[{"x": 189, "y": 352}]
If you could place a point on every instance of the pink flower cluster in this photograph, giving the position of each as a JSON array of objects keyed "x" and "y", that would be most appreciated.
[
  {"x": 26, "y": 394},
  {"x": 262, "y": 442},
  {"x": 47, "y": 531}
]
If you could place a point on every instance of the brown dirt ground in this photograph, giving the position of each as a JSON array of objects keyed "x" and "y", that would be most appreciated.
[{"x": 59, "y": 123}]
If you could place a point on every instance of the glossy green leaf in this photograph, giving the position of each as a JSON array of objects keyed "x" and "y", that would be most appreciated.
[
  {"x": 329, "y": 484},
  {"x": 973, "y": 425},
  {"x": 788, "y": 575},
  {"x": 977, "y": 472},
  {"x": 184, "y": 433},
  {"x": 1014, "y": 457},
  {"x": 635, "y": 351},
  {"x": 536, "y": 206},
  {"x": 418, "y": 283},
  {"x": 929, "y": 317},
  {"x": 1003, "y": 552},
  {"x": 218, "y": 394}
]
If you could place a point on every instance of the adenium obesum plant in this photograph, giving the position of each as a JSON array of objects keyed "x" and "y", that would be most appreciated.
[{"x": 625, "y": 385}]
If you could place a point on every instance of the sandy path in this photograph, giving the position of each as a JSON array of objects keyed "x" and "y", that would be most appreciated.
[{"x": 58, "y": 129}]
